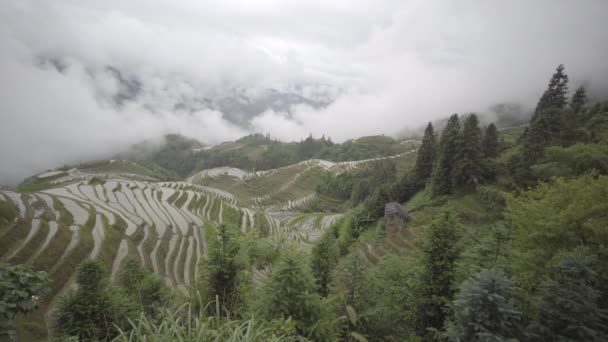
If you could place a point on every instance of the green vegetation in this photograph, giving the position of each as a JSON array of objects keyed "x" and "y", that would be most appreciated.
[
  {"x": 185, "y": 156},
  {"x": 224, "y": 279},
  {"x": 20, "y": 289},
  {"x": 504, "y": 240},
  {"x": 426, "y": 156}
]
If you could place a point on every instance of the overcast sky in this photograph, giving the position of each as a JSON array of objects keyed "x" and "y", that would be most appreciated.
[{"x": 384, "y": 65}]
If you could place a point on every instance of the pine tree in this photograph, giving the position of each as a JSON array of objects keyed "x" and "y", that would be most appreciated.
[
  {"x": 349, "y": 278},
  {"x": 555, "y": 96},
  {"x": 92, "y": 312},
  {"x": 484, "y": 309},
  {"x": 223, "y": 275},
  {"x": 441, "y": 179},
  {"x": 578, "y": 100},
  {"x": 573, "y": 118},
  {"x": 544, "y": 131},
  {"x": 435, "y": 284},
  {"x": 468, "y": 171},
  {"x": 324, "y": 258},
  {"x": 143, "y": 287},
  {"x": 568, "y": 309},
  {"x": 426, "y": 156},
  {"x": 490, "y": 142},
  {"x": 546, "y": 125},
  {"x": 374, "y": 204},
  {"x": 290, "y": 292}
]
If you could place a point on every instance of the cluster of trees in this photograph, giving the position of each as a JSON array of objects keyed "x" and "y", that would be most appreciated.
[
  {"x": 564, "y": 137},
  {"x": 99, "y": 310},
  {"x": 181, "y": 156},
  {"x": 461, "y": 160},
  {"x": 510, "y": 246}
]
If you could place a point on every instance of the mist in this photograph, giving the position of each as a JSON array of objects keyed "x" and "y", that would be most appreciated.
[{"x": 82, "y": 80}]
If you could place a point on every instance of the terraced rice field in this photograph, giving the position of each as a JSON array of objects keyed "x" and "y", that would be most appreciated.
[{"x": 113, "y": 210}]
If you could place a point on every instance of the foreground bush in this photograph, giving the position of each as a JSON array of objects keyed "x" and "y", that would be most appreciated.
[{"x": 184, "y": 324}]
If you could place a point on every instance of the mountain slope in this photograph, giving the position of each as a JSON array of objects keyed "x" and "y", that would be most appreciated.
[{"x": 115, "y": 209}]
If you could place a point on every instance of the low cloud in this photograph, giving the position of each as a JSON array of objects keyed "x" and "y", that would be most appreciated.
[{"x": 80, "y": 80}]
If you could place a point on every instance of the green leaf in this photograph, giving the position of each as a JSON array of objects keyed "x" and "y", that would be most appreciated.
[
  {"x": 352, "y": 315},
  {"x": 358, "y": 337}
]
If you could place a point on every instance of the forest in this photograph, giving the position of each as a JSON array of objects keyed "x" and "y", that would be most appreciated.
[{"x": 505, "y": 240}]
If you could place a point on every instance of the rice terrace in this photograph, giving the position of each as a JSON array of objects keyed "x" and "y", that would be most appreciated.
[{"x": 298, "y": 171}]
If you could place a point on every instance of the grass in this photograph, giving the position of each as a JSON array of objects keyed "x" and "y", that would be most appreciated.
[
  {"x": 214, "y": 211},
  {"x": 179, "y": 257},
  {"x": 173, "y": 197},
  {"x": 35, "y": 184},
  {"x": 298, "y": 219},
  {"x": 186, "y": 325},
  {"x": 65, "y": 217},
  {"x": 113, "y": 235},
  {"x": 8, "y": 213},
  {"x": 262, "y": 225},
  {"x": 27, "y": 252},
  {"x": 94, "y": 181},
  {"x": 510, "y": 135},
  {"x": 179, "y": 202},
  {"x": 14, "y": 236},
  {"x": 231, "y": 216}
]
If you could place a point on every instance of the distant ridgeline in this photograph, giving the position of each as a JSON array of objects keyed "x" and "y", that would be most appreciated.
[{"x": 257, "y": 152}]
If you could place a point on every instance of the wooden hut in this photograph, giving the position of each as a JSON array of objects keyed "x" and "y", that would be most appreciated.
[{"x": 395, "y": 217}]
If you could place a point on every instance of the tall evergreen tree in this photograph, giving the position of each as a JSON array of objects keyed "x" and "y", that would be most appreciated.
[
  {"x": 223, "y": 275},
  {"x": 435, "y": 284},
  {"x": 572, "y": 119},
  {"x": 484, "y": 309},
  {"x": 91, "y": 312},
  {"x": 544, "y": 131},
  {"x": 490, "y": 142},
  {"x": 555, "y": 96},
  {"x": 578, "y": 100},
  {"x": 426, "y": 156},
  {"x": 143, "y": 286},
  {"x": 568, "y": 309},
  {"x": 441, "y": 179},
  {"x": 290, "y": 292},
  {"x": 468, "y": 171},
  {"x": 323, "y": 260},
  {"x": 546, "y": 124}
]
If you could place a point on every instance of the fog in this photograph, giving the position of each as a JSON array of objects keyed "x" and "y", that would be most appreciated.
[{"x": 82, "y": 79}]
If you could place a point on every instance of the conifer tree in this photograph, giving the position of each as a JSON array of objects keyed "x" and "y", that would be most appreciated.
[
  {"x": 349, "y": 278},
  {"x": 223, "y": 275},
  {"x": 426, "y": 156},
  {"x": 468, "y": 171},
  {"x": 572, "y": 119},
  {"x": 568, "y": 309},
  {"x": 143, "y": 286},
  {"x": 546, "y": 124},
  {"x": 324, "y": 258},
  {"x": 490, "y": 142},
  {"x": 290, "y": 292},
  {"x": 578, "y": 100},
  {"x": 484, "y": 309},
  {"x": 555, "y": 96},
  {"x": 544, "y": 131},
  {"x": 441, "y": 179},
  {"x": 91, "y": 312},
  {"x": 435, "y": 284}
]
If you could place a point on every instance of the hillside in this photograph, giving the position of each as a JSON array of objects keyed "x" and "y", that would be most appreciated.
[
  {"x": 111, "y": 210},
  {"x": 473, "y": 233},
  {"x": 256, "y": 152}
]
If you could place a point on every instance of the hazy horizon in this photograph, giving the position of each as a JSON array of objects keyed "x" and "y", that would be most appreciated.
[{"x": 84, "y": 79}]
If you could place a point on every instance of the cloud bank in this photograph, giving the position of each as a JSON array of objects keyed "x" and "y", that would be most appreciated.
[{"x": 82, "y": 79}]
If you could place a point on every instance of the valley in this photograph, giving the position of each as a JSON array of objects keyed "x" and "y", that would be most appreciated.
[{"x": 115, "y": 209}]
